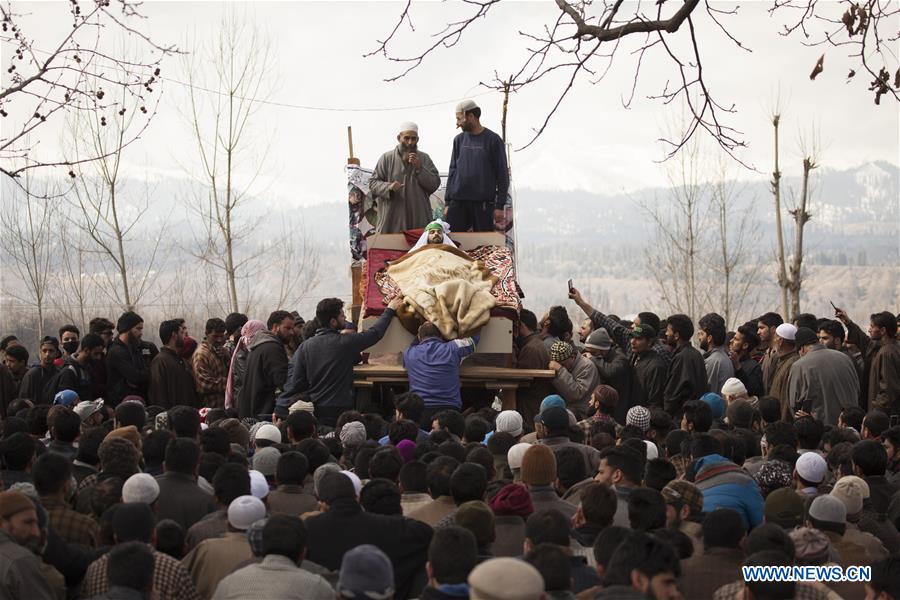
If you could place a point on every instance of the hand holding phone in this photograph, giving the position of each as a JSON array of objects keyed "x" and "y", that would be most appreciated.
[{"x": 570, "y": 285}]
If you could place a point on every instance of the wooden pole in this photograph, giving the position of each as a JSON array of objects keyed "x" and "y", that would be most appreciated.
[
  {"x": 351, "y": 160},
  {"x": 506, "y": 85}
]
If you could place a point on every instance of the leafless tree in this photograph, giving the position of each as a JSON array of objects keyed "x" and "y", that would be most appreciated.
[
  {"x": 866, "y": 29},
  {"x": 73, "y": 285},
  {"x": 223, "y": 80},
  {"x": 106, "y": 212},
  {"x": 782, "y": 276},
  {"x": 810, "y": 149},
  {"x": 29, "y": 240},
  {"x": 737, "y": 230},
  {"x": 295, "y": 263},
  {"x": 79, "y": 72},
  {"x": 585, "y": 37},
  {"x": 677, "y": 255}
]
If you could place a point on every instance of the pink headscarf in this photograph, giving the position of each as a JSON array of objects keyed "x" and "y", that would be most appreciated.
[{"x": 248, "y": 332}]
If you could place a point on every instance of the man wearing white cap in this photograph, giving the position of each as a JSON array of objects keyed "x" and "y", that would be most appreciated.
[
  {"x": 823, "y": 382},
  {"x": 404, "y": 179},
  {"x": 478, "y": 181},
  {"x": 215, "y": 558},
  {"x": 787, "y": 355}
]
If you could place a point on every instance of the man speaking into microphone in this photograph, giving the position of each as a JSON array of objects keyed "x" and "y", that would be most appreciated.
[{"x": 403, "y": 181}]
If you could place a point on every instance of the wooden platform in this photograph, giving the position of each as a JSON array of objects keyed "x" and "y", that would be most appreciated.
[{"x": 492, "y": 378}]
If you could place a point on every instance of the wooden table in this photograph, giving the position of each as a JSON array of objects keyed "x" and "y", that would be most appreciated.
[{"x": 504, "y": 380}]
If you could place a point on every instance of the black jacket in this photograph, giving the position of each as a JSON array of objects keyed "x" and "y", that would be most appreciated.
[
  {"x": 266, "y": 374},
  {"x": 615, "y": 371},
  {"x": 127, "y": 372},
  {"x": 687, "y": 379},
  {"x": 34, "y": 384},
  {"x": 750, "y": 373},
  {"x": 345, "y": 526},
  {"x": 171, "y": 381},
  {"x": 649, "y": 380},
  {"x": 72, "y": 376},
  {"x": 322, "y": 367}
]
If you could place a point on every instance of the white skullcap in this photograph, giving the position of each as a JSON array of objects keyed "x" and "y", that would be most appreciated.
[
  {"x": 259, "y": 487},
  {"x": 515, "y": 455},
  {"x": 812, "y": 467},
  {"x": 357, "y": 483},
  {"x": 466, "y": 105},
  {"x": 734, "y": 387},
  {"x": 140, "y": 487},
  {"x": 244, "y": 511},
  {"x": 652, "y": 450},
  {"x": 408, "y": 126},
  {"x": 786, "y": 331},
  {"x": 268, "y": 432}
]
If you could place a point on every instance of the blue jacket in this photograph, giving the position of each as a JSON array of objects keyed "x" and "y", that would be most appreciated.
[
  {"x": 432, "y": 366},
  {"x": 726, "y": 485}
]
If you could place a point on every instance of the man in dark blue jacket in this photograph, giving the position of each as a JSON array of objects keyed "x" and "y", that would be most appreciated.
[
  {"x": 322, "y": 367},
  {"x": 432, "y": 366},
  {"x": 478, "y": 179}
]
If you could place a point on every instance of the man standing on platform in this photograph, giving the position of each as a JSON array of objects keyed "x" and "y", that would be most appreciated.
[
  {"x": 403, "y": 181},
  {"x": 478, "y": 182}
]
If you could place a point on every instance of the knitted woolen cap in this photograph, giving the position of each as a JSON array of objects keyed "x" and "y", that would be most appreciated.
[
  {"x": 140, "y": 487},
  {"x": 734, "y": 387},
  {"x": 539, "y": 465},
  {"x": 810, "y": 545},
  {"x": 638, "y": 416},
  {"x": 12, "y": 503},
  {"x": 477, "y": 517},
  {"x": 505, "y": 578},
  {"x": 561, "y": 351},
  {"x": 829, "y": 509},
  {"x": 851, "y": 490},
  {"x": 784, "y": 507},
  {"x": 128, "y": 321},
  {"x": 265, "y": 460},
  {"x": 509, "y": 421}
]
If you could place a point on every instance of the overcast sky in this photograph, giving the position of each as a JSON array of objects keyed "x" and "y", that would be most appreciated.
[{"x": 593, "y": 143}]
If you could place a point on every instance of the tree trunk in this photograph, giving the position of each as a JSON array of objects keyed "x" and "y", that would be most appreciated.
[
  {"x": 801, "y": 217},
  {"x": 776, "y": 189}
]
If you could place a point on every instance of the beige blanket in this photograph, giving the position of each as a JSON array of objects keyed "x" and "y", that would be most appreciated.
[{"x": 446, "y": 287}]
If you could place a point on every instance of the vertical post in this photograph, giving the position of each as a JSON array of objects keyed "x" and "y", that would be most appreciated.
[
  {"x": 351, "y": 160},
  {"x": 356, "y": 296},
  {"x": 506, "y": 85}
]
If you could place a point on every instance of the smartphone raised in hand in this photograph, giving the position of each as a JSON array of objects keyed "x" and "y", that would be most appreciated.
[{"x": 570, "y": 285}]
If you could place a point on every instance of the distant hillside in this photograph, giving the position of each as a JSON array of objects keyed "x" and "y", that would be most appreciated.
[{"x": 853, "y": 248}]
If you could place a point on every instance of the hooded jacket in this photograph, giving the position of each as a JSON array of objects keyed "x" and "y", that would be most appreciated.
[
  {"x": 266, "y": 374},
  {"x": 726, "y": 485}
]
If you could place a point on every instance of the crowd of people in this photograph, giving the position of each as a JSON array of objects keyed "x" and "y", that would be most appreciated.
[{"x": 244, "y": 465}]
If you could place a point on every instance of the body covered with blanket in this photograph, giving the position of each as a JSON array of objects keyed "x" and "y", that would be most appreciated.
[{"x": 445, "y": 286}]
